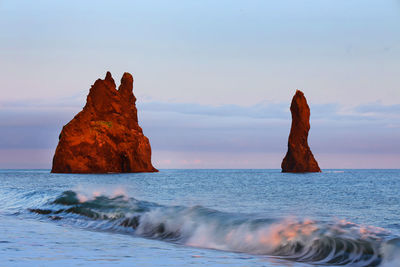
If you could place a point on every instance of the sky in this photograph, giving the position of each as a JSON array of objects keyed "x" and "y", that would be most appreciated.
[{"x": 213, "y": 79}]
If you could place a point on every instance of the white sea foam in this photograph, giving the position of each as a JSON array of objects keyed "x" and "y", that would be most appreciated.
[
  {"x": 335, "y": 242},
  {"x": 85, "y": 193},
  {"x": 391, "y": 252}
]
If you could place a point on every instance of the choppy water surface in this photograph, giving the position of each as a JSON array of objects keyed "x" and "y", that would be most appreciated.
[{"x": 201, "y": 217}]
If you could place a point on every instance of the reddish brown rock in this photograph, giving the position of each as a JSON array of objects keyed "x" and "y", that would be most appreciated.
[
  {"x": 299, "y": 157},
  {"x": 105, "y": 136}
]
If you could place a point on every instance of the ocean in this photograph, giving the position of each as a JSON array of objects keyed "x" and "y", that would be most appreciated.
[{"x": 200, "y": 218}]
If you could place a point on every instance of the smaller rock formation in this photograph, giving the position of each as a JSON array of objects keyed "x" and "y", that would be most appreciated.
[
  {"x": 105, "y": 136},
  {"x": 299, "y": 157}
]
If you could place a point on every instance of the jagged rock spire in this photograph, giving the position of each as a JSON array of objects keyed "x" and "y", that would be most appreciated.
[
  {"x": 299, "y": 157},
  {"x": 105, "y": 136}
]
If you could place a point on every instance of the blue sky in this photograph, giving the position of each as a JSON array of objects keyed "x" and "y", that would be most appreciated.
[{"x": 214, "y": 79}]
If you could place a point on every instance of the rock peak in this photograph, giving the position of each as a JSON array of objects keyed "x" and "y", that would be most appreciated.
[
  {"x": 127, "y": 78},
  {"x": 299, "y": 93},
  {"x": 299, "y": 157},
  {"x": 108, "y": 76},
  {"x": 109, "y": 79},
  {"x": 126, "y": 87},
  {"x": 105, "y": 136}
]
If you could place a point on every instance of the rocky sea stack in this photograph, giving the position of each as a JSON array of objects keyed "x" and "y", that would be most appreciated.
[
  {"x": 299, "y": 157},
  {"x": 105, "y": 136}
]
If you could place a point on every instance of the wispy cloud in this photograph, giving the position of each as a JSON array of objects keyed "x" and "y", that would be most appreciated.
[
  {"x": 274, "y": 111},
  {"x": 379, "y": 109},
  {"x": 332, "y": 111},
  {"x": 187, "y": 128}
]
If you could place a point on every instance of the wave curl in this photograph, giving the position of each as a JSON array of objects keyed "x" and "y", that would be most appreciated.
[{"x": 301, "y": 240}]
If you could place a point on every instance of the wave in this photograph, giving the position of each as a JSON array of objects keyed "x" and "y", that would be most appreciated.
[{"x": 301, "y": 240}]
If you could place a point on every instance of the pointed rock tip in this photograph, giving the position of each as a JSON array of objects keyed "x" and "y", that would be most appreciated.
[
  {"x": 109, "y": 78},
  {"x": 298, "y": 96},
  {"x": 108, "y": 75},
  {"x": 126, "y": 78}
]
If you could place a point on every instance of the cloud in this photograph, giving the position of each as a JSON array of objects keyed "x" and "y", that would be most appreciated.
[
  {"x": 229, "y": 130},
  {"x": 275, "y": 111},
  {"x": 377, "y": 108},
  {"x": 278, "y": 111}
]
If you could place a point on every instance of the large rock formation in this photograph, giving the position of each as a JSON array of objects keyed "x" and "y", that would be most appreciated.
[
  {"x": 299, "y": 157},
  {"x": 105, "y": 136}
]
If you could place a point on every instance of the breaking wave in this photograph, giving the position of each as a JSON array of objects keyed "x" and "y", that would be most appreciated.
[{"x": 301, "y": 240}]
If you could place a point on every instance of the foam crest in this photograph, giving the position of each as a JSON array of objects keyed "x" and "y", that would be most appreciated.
[
  {"x": 337, "y": 242},
  {"x": 85, "y": 194},
  {"x": 391, "y": 252}
]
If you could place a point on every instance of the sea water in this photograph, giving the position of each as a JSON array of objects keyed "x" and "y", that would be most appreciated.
[{"x": 200, "y": 217}]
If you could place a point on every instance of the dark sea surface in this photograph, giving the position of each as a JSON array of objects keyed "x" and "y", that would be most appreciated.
[{"x": 200, "y": 217}]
